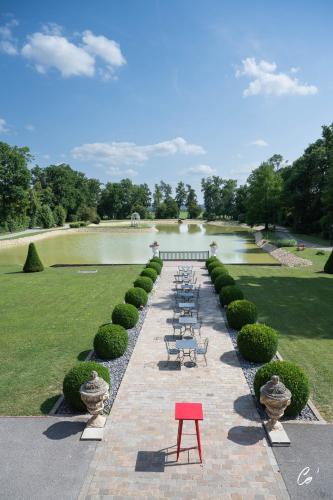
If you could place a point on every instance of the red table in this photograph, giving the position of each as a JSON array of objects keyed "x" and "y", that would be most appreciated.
[{"x": 188, "y": 411}]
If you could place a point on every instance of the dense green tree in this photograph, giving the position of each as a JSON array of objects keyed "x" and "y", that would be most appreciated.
[
  {"x": 193, "y": 209},
  {"x": 219, "y": 196},
  {"x": 59, "y": 215},
  {"x": 45, "y": 217},
  {"x": 181, "y": 195},
  {"x": 241, "y": 203},
  {"x": 14, "y": 186},
  {"x": 264, "y": 195}
]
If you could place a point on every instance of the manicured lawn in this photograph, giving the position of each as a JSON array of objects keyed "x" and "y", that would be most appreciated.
[
  {"x": 48, "y": 322},
  {"x": 298, "y": 303}
]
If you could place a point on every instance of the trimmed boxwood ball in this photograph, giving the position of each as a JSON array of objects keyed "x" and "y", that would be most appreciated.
[
  {"x": 33, "y": 264},
  {"x": 217, "y": 271},
  {"x": 149, "y": 273},
  {"x": 329, "y": 264},
  {"x": 145, "y": 283},
  {"x": 110, "y": 341},
  {"x": 292, "y": 376},
  {"x": 230, "y": 293},
  {"x": 240, "y": 313},
  {"x": 154, "y": 265},
  {"x": 137, "y": 297},
  {"x": 125, "y": 315},
  {"x": 212, "y": 265},
  {"x": 223, "y": 280},
  {"x": 77, "y": 376},
  {"x": 210, "y": 260},
  {"x": 257, "y": 342},
  {"x": 158, "y": 260}
]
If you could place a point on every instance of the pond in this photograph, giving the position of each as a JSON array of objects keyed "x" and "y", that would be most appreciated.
[{"x": 109, "y": 246}]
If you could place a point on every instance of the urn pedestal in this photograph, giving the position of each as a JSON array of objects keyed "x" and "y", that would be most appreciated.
[
  {"x": 276, "y": 397},
  {"x": 213, "y": 249},
  {"x": 154, "y": 246},
  {"x": 93, "y": 393}
]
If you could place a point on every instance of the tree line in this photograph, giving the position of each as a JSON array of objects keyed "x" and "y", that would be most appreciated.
[{"x": 299, "y": 195}]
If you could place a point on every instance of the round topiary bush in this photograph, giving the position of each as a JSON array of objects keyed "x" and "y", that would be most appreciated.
[
  {"x": 210, "y": 260},
  {"x": 217, "y": 271},
  {"x": 230, "y": 293},
  {"x": 223, "y": 280},
  {"x": 158, "y": 260},
  {"x": 77, "y": 376},
  {"x": 110, "y": 341},
  {"x": 145, "y": 283},
  {"x": 137, "y": 297},
  {"x": 292, "y": 376},
  {"x": 257, "y": 342},
  {"x": 33, "y": 264},
  {"x": 125, "y": 315},
  {"x": 154, "y": 265},
  {"x": 212, "y": 265},
  {"x": 149, "y": 273},
  {"x": 240, "y": 313}
]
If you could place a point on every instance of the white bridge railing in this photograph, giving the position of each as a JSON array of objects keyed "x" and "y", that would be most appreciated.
[{"x": 186, "y": 255}]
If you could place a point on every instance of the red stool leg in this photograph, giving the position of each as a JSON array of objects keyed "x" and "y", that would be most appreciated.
[
  {"x": 179, "y": 437},
  {"x": 198, "y": 438}
]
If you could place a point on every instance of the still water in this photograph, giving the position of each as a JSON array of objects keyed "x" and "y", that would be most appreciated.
[{"x": 107, "y": 246}]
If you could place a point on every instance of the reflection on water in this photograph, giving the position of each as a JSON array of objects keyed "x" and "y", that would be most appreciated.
[{"x": 106, "y": 247}]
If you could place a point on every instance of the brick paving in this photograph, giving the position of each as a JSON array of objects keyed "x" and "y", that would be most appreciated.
[{"x": 137, "y": 456}]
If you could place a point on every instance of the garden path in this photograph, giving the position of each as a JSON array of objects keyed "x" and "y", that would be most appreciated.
[{"x": 136, "y": 459}]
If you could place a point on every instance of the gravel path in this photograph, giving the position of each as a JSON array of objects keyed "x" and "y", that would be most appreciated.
[{"x": 286, "y": 258}]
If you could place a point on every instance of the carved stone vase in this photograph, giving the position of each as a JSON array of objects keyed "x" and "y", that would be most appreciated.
[{"x": 93, "y": 393}]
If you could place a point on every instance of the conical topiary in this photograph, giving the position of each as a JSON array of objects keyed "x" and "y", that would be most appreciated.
[
  {"x": 329, "y": 264},
  {"x": 33, "y": 264}
]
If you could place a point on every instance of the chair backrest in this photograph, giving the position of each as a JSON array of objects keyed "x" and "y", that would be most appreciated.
[{"x": 206, "y": 345}]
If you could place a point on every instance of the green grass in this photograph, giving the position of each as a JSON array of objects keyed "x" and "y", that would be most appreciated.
[
  {"x": 298, "y": 303},
  {"x": 48, "y": 322}
]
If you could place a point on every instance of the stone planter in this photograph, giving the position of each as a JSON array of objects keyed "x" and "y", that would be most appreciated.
[
  {"x": 93, "y": 394},
  {"x": 276, "y": 397}
]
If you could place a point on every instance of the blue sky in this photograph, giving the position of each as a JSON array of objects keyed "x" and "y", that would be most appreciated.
[{"x": 165, "y": 89}]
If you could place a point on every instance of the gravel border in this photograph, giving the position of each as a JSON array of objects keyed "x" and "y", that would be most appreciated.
[{"x": 117, "y": 367}]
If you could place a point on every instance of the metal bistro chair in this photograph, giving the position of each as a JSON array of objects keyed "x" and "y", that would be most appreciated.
[
  {"x": 177, "y": 328},
  {"x": 202, "y": 349},
  {"x": 171, "y": 350},
  {"x": 196, "y": 328}
]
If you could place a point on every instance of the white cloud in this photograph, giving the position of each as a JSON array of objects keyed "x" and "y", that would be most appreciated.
[
  {"x": 51, "y": 49},
  {"x": 125, "y": 153},
  {"x": 30, "y": 127},
  {"x": 3, "y": 126},
  {"x": 108, "y": 50},
  {"x": 201, "y": 170},
  {"x": 54, "y": 51},
  {"x": 7, "y": 41},
  {"x": 260, "y": 143},
  {"x": 117, "y": 172},
  {"x": 46, "y": 157},
  {"x": 266, "y": 80}
]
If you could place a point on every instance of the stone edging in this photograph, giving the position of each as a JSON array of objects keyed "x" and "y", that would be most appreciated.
[{"x": 286, "y": 258}]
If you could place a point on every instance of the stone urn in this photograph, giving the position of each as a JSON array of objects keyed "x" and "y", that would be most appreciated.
[
  {"x": 93, "y": 393},
  {"x": 154, "y": 246},
  {"x": 213, "y": 249},
  {"x": 276, "y": 397}
]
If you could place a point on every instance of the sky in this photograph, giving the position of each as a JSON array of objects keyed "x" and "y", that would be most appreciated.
[{"x": 165, "y": 89}]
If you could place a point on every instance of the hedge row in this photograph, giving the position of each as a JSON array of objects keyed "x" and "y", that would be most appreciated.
[
  {"x": 257, "y": 342},
  {"x": 111, "y": 339}
]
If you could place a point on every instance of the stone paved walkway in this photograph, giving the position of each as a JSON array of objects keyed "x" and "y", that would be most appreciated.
[{"x": 137, "y": 457}]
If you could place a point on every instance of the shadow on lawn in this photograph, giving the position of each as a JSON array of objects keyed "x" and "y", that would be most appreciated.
[
  {"x": 296, "y": 306},
  {"x": 48, "y": 404}
]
